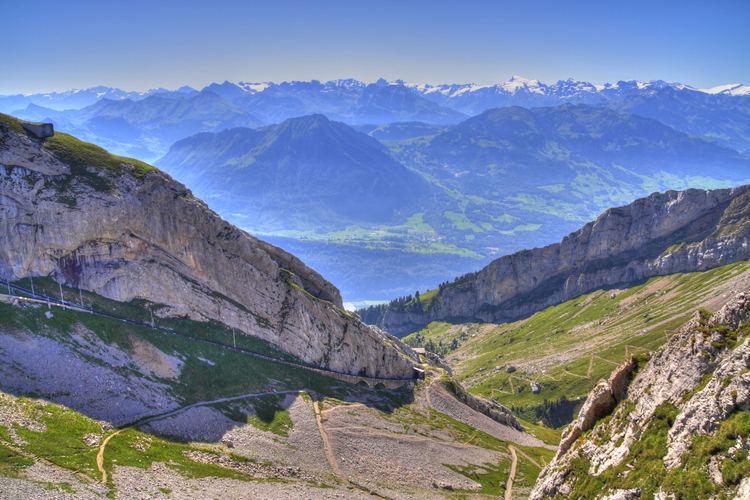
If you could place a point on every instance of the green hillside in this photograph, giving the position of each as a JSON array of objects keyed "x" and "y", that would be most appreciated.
[{"x": 567, "y": 348}]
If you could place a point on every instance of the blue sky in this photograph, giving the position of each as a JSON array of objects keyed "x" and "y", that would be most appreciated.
[{"x": 137, "y": 45}]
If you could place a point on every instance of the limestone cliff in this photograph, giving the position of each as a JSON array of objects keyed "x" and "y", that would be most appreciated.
[
  {"x": 662, "y": 234},
  {"x": 125, "y": 230},
  {"x": 678, "y": 427}
]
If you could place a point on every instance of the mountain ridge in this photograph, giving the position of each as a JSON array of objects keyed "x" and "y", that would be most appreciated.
[
  {"x": 83, "y": 97},
  {"x": 661, "y": 234},
  {"x": 125, "y": 230}
]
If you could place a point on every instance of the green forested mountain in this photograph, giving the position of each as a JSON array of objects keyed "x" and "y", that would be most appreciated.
[
  {"x": 566, "y": 153},
  {"x": 306, "y": 173}
]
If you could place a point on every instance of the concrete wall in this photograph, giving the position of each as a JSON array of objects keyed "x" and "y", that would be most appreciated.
[{"x": 41, "y": 130}]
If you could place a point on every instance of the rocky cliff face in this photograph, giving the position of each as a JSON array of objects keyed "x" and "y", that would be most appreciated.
[
  {"x": 679, "y": 428},
  {"x": 662, "y": 234},
  {"x": 124, "y": 230}
]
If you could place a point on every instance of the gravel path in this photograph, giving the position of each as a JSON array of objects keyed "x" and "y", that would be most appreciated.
[
  {"x": 353, "y": 449},
  {"x": 512, "y": 476},
  {"x": 332, "y": 462}
]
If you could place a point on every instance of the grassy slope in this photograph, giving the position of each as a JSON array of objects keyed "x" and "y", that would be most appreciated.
[
  {"x": 568, "y": 347},
  {"x": 233, "y": 373},
  {"x": 79, "y": 154}
]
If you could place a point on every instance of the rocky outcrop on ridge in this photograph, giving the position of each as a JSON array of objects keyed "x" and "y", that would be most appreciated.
[
  {"x": 125, "y": 230},
  {"x": 679, "y": 429},
  {"x": 664, "y": 233}
]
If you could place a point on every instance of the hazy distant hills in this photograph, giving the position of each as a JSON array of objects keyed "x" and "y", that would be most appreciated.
[
  {"x": 305, "y": 173},
  {"x": 377, "y": 103},
  {"x": 382, "y": 104},
  {"x": 76, "y": 99},
  {"x": 169, "y": 119},
  {"x": 721, "y": 113},
  {"x": 546, "y": 167},
  {"x": 507, "y": 179},
  {"x": 722, "y": 117},
  {"x": 545, "y": 146},
  {"x": 146, "y": 127}
]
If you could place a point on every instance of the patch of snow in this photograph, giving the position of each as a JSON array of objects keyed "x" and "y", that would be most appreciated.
[
  {"x": 517, "y": 83},
  {"x": 207, "y": 361},
  {"x": 680, "y": 86},
  {"x": 253, "y": 87}
]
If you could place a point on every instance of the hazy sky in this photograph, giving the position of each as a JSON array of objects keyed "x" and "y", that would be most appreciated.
[{"x": 137, "y": 45}]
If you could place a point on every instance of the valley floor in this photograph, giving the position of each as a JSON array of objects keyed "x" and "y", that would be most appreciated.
[
  {"x": 95, "y": 408},
  {"x": 331, "y": 449}
]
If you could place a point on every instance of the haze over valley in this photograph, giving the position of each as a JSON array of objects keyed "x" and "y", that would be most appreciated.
[{"x": 285, "y": 250}]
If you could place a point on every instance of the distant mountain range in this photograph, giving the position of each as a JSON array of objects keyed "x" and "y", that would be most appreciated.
[
  {"x": 446, "y": 95},
  {"x": 147, "y": 127},
  {"x": 449, "y": 172},
  {"x": 77, "y": 99},
  {"x": 548, "y": 167},
  {"x": 473, "y": 99},
  {"x": 506, "y": 151},
  {"x": 722, "y": 112}
]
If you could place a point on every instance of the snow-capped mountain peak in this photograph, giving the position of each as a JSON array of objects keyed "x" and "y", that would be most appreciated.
[
  {"x": 735, "y": 89},
  {"x": 348, "y": 83}
]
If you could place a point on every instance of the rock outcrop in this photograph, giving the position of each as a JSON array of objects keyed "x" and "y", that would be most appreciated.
[
  {"x": 681, "y": 425},
  {"x": 125, "y": 230},
  {"x": 662, "y": 234},
  {"x": 600, "y": 403},
  {"x": 495, "y": 411}
]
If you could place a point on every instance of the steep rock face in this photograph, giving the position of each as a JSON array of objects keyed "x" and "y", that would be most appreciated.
[
  {"x": 683, "y": 425},
  {"x": 662, "y": 234},
  {"x": 600, "y": 403},
  {"x": 128, "y": 231}
]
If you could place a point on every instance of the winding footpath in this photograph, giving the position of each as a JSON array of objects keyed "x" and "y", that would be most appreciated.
[
  {"x": 512, "y": 477},
  {"x": 326, "y": 444},
  {"x": 103, "y": 445}
]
